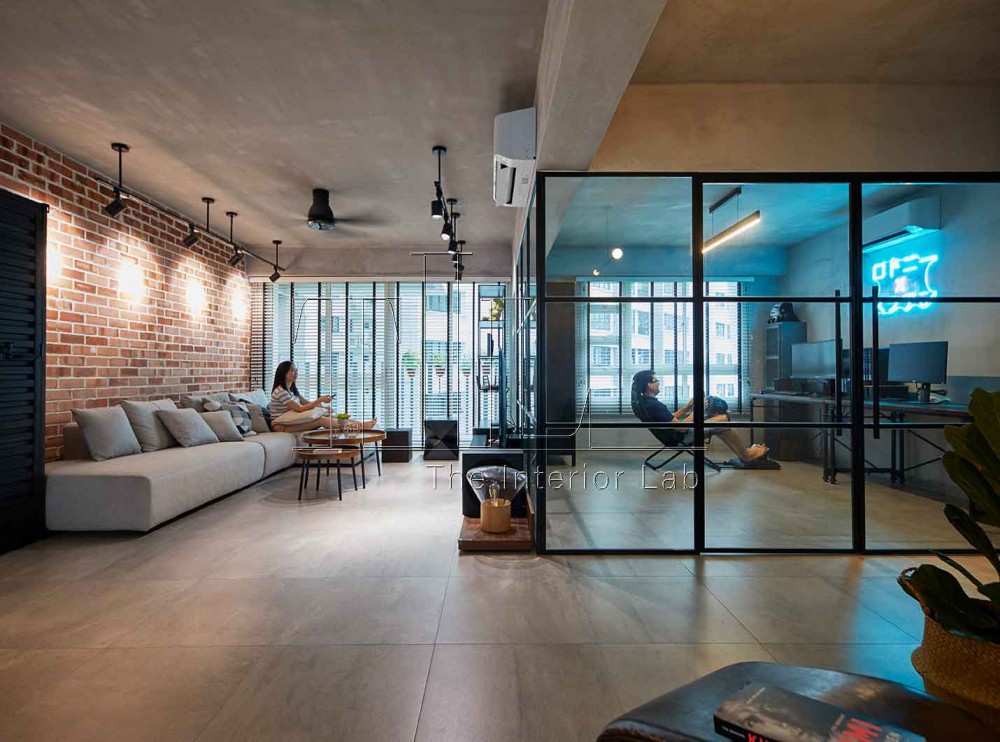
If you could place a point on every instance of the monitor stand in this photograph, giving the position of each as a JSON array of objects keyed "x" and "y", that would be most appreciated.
[{"x": 924, "y": 393}]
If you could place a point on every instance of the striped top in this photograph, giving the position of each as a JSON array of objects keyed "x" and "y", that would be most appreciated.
[{"x": 280, "y": 398}]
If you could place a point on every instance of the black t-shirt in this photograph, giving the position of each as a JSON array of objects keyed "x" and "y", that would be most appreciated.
[{"x": 655, "y": 410}]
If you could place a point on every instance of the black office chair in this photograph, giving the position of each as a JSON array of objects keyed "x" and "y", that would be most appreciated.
[{"x": 679, "y": 441}]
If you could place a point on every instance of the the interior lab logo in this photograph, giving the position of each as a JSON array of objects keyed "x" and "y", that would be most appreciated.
[{"x": 904, "y": 278}]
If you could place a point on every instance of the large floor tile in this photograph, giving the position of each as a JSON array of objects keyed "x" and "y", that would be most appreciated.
[
  {"x": 229, "y": 612},
  {"x": 173, "y": 559},
  {"x": 327, "y": 693},
  {"x": 802, "y": 610},
  {"x": 884, "y": 596},
  {"x": 135, "y": 694},
  {"x": 649, "y": 611},
  {"x": 517, "y": 692},
  {"x": 66, "y": 558},
  {"x": 25, "y": 672},
  {"x": 87, "y": 613},
  {"x": 507, "y": 610},
  {"x": 375, "y": 610},
  {"x": 642, "y": 672},
  {"x": 888, "y": 661}
]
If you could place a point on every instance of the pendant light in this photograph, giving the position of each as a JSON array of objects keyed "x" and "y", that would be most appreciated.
[{"x": 739, "y": 226}]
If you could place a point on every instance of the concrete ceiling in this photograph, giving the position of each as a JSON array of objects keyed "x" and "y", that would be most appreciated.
[
  {"x": 799, "y": 41},
  {"x": 255, "y": 103}
]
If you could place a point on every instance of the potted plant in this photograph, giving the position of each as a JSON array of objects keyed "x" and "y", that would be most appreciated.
[
  {"x": 342, "y": 418},
  {"x": 410, "y": 361},
  {"x": 959, "y": 657}
]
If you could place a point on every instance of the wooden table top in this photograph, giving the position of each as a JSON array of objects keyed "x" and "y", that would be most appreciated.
[
  {"x": 337, "y": 437},
  {"x": 321, "y": 454}
]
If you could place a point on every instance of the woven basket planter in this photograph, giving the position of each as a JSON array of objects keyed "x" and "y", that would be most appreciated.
[{"x": 961, "y": 671}]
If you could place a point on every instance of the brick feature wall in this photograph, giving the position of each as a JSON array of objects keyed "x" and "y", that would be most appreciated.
[{"x": 132, "y": 313}]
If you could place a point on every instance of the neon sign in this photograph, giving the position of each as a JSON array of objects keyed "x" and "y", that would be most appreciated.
[{"x": 904, "y": 278}]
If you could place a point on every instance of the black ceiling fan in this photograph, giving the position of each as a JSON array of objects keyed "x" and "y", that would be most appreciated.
[{"x": 321, "y": 218}]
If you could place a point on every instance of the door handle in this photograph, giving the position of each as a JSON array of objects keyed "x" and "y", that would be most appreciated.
[{"x": 876, "y": 370}]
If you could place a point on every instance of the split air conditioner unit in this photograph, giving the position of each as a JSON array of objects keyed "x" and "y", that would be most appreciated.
[
  {"x": 901, "y": 223},
  {"x": 513, "y": 157}
]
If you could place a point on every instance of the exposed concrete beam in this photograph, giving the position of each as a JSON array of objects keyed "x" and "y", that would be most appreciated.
[{"x": 590, "y": 49}]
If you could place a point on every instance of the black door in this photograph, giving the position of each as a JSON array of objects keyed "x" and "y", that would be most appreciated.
[{"x": 22, "y": 370}]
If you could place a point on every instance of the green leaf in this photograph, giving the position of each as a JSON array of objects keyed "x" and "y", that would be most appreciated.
[
  {"x": 941, "y": 595},
  {"x": 969, "y": 443},
  {"x": 992, "y": 591},
  {"x": 973, "y": 484},
  {"x": 985, "y": 410},
  {"x": 958, "y": 567},
  {"x": 973, "y": 533}
]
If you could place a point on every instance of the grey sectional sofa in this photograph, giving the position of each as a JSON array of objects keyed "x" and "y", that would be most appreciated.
[{"x": 138, "y": 492}]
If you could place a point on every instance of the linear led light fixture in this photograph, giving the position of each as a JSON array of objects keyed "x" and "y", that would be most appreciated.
[{"x": 751, "y": 220}]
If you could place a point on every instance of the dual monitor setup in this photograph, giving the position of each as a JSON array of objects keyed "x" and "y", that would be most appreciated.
[{"x": 900, "y": 364}]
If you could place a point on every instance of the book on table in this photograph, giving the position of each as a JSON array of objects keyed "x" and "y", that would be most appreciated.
[{"x": 763, "y": 713}]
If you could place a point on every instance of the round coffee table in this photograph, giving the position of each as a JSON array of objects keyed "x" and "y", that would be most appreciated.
[
  {"x": 354, "y": 439},
  {"x": 319, "y": 456}
]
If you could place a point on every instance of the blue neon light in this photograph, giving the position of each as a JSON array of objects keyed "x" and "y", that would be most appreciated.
[{"x": 904, "y": 278}]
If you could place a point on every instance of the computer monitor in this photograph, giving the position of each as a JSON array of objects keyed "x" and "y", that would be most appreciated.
[
  {"x": 814, "y": 360},
  {"x": 920, "y": 363}
]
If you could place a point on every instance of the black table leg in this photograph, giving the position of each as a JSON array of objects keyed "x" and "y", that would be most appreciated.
[
  {"x": 354, "y": 473},
  {"x": 319, "y": 470},
  {"x": 361, "y": 451},
  {"x": 378, "y": 461},
  {"x": 302, "y": 475},
  {"x": 340, "y": 488}
]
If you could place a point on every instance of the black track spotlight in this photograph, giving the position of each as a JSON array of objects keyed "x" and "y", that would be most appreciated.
[
  {"x": 453, "y": 247},
  {"x": 446, "y": 232},
  {"x": 437, "y": 205},
  {"x": 276, "y": 275},
  {"x": 192, "y": 237},
  {"x": 320, "y": 216},
  {"x": 236, "y": 257},
  {"x": 117, "y": 205}
]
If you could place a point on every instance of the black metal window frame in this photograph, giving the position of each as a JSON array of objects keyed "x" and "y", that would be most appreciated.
[{"x": 855, "y": 302}]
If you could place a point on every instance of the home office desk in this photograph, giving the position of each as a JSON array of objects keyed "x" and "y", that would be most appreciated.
[{"x": 894, "y": 411}]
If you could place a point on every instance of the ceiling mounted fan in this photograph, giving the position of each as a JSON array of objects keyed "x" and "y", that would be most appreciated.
[{"x": 321, "y": 218}]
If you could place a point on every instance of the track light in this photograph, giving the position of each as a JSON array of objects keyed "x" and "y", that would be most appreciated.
[
  {"x": 276, "y": 275},
  {"x": 453, "y": 247},
  {"x": 236, "y": 257},
  {"x": 437, "y": 205},
  {"x": 117, "y": 205},
  {"x": 446, "y": 231},
  {"x": 192, "y": 237}
]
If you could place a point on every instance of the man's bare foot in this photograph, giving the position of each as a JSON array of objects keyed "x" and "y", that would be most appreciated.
[{"x": 754, "y": 452}]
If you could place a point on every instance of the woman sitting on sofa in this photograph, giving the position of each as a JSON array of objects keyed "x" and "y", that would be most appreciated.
[{"x": 292, "y": 413}]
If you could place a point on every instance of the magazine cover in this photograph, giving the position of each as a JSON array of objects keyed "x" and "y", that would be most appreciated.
[{"x": 769, "y": 714}]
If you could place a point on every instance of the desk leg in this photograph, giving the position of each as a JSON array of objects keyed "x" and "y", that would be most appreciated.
[
  {"x": 751, "y": 420},
  {"x": 902, "y": 453}
]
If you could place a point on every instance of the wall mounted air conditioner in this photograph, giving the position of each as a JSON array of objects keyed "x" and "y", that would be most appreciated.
[
  {"x": 513, "y": 157},
  {"x": 900, "y": 223}
]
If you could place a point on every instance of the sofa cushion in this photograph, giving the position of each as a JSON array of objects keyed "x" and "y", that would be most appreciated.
[
  {"x": 74, "y": 447},
  {"x": 258, "y": 397},
  {"x": 279, "y": 450},
  {"x": 222, "y": 424},
  {"x": 259, "y": 418},
  {"x": 107, "y": 433},
  {"x": 187, "y": 427},
  {"x": 197, "y": 401},
  {"x": 136, "y": 493},
  {"x": 148, "y": 428}
]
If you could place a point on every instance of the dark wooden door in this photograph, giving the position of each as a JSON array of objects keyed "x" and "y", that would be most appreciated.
[{"x": 22, "y": 370}]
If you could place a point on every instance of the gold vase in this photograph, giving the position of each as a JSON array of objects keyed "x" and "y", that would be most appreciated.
[{"x": 961, "y": 671}]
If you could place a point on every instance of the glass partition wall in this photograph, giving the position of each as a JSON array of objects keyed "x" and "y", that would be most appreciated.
[{"x": 782, "y": 387}]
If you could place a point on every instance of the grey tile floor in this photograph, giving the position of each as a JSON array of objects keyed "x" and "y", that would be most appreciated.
[{"x": 263, "y": 618}]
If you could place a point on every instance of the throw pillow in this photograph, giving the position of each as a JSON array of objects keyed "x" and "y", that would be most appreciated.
[
  {"x": 259, "y": 418},
  {"x": 187, "y": 427},
  {"x": 151, "y": 433},
  {"x": 197, "y": 401},
  {"x": 241, "y": 416},
  {"x": 107, "y": 433},
  {"x": 222, "y": 424}
]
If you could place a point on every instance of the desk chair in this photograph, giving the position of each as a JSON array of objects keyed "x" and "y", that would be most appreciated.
[{"x": 680, "y": 441}]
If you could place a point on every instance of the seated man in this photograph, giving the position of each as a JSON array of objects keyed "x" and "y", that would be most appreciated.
[{"x": 645, "y": 387}]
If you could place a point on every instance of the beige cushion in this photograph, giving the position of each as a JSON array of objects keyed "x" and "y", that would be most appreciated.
[
  {"x": 107, "y": 433},
  {"x": 187, "y": 427},
  {"x": 148, "y": 428},
  {"x": 135, "y": 493},
  {"x": 223, "y": 425},
  {"x": 257, "y": 419}
]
